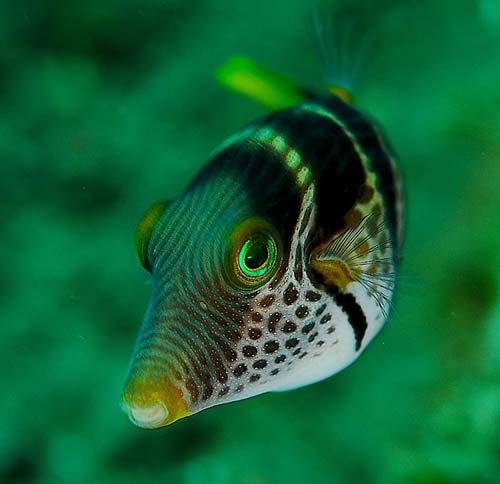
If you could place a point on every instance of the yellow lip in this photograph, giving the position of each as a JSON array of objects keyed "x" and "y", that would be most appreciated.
[
  {"x": 151, "y": 403},
  {"x": 151, "y": 417}
]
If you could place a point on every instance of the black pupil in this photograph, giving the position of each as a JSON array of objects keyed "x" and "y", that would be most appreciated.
[{"x": 257, "y": 253}]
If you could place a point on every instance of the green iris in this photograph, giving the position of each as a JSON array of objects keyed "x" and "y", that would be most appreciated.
[{"x": 257, "y": 256}]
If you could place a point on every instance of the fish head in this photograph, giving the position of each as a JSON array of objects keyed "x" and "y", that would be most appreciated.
[
  {"x": 250, "y": 293},
  {"x": 211, "y": 253}
]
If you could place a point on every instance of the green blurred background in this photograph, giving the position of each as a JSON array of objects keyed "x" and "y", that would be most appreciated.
[{"x": 109, "y": 106}]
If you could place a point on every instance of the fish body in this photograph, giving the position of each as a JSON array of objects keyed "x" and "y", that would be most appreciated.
[{"x": 274, "y": 269}]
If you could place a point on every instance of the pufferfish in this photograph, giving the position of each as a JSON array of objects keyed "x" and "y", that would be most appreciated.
[{"x": 276, "y": 266}]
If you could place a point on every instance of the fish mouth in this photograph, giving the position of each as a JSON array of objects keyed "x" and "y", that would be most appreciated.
[
  {"x": 153, "y": 394},
  {"x": 151, "y": 401},
  {"x": 150, "y": 417}
]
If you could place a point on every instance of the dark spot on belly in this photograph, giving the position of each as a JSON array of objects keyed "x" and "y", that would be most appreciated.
[
  {"x": 291, "y": 343},
  {"x": 257, "y": 317},
  {"x": 312, "y": 337},
  {"x": 308, "y": 327},
  {"x": 240, "y": 369},
  {"x": 259, "y": 364},
  {"x": 291, "y": 294},
  {"x": 289, "y": 326},
  {"x": 249, "y": 351},
  {"x": 224, "y": 391},
  {"x": 302, "y": 312},
  {"x": 320, "y": 310},
  {"x": 273, "y": 321},
  {"x": 254, "y": 333},
  {"x": 325, "y": 319},
  {"x": 267, "y": 301},
  {"x": 313, "y": 296},
  {"x": 271, "y": 346}
]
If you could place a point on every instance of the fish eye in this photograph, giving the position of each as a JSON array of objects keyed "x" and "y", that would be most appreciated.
[
  {"x": 256, "y": 252},
  {"x": 257, "y": 255}
]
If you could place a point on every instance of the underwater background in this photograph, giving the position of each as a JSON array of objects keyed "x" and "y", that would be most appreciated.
[{"x": 108, "y": 107}]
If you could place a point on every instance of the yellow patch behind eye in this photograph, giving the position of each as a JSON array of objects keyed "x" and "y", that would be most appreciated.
[
  {"x": 145, "y": 229},
  {"x": 335, "y": 272}
]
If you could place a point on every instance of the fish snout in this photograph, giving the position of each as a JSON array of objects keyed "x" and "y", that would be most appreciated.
[
  {"x": 150, "y": 417},
  {"x": 151, "y": 403}
]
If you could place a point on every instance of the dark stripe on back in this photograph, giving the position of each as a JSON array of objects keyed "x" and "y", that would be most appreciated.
[
  {"x": 328, "y": 152},
  {"x": 366, "y": 135},
  {"x": 269, "y": 184},
  {"x": 355, "y": 315},
  {"x": 347, "y": 302}
]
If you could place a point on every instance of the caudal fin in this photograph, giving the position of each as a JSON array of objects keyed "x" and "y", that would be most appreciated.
[{"x": 268, "y": 88}]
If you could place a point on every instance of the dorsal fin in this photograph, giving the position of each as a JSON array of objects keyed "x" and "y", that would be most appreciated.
[{"x": 342, "y": 43}]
